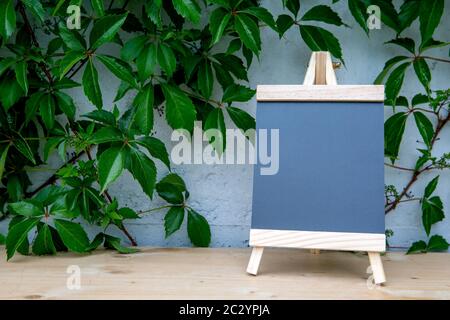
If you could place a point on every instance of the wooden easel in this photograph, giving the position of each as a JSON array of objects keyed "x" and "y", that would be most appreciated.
[{"x": 320, "y": 72}]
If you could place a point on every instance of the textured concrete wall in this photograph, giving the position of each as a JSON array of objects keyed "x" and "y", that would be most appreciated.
[{"x": 223, "y": 192}]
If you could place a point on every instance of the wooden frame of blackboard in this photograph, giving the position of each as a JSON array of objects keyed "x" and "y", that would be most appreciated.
[{"x": 319, "y": 86}]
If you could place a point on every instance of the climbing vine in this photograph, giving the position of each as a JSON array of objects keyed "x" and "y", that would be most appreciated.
[{"x": 171, "y": 59}]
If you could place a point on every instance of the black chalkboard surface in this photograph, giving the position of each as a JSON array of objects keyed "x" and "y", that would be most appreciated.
[
  {"x": 331, "y": 168},
  {"x": 328, "y": 192}
]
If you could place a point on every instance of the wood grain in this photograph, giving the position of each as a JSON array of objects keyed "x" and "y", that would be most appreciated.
[
  {"x": 197, "y": 273},
  {"x": 338, "y": 93},
  {"x": 318, "y": 240}
]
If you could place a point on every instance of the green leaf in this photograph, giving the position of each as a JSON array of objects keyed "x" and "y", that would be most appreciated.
[
  {"x": 98, "y": 240},
  {"x": 122, "y": 91},
  {"x": 21, "y": 75},
  {"x": 431, "y": 43},
  {"x": 156, "y": 148},
  {"x": 118, "y": 68},
  {"x": 423, "y": 72},
  {"x": 153, "y": 9},
  {"x": 146, "y": 61},
  {"x": 26, "y": 208},
  {"x": 71, "y": 38},
  {"x": 173, "y": 220},
  {"x": 233, "y": 64},
  {"x": 44, "y": 243},
  {"x": 18, "y": 235},
  {"x": 114, "y": 243},
  {"x": 262, "y": 14},
  {"x": 6, "y": 63},
  {"x": 431, "y": 186},
  {"x": 66, "y": 104},
  {"x": 406, "y": 43},
  {"x": 198, "y": 229},
  {"x": 180, "y": 112},
  {"x": 189, "y": 9},
  {"x": 437, "y": 243},
  {"x": 323, "y": 13},
  {"x": 105, "y": 29},
  {"x": 409, "y": 11},
  {"x": 419, "y": 99},
  {"x": 319, "y": 39},
  {"x": 10, "y": 92},
  {"x": 143, "y": 170},
  {"x": 36, "y": 8},
  {"x": 432, "y": 212},
  {"x": 73, "y": 235},
  {"x": 395, "y": 81},
  {"x": 15, "y": 188},
  {"x": 7, "y": 18},
  {"x": 110, "y": 166},
  {"x": 133, "y": 48},
  {"x": 175, "y": 180},
  {"x": 91, "y": 86},
  {"x": 170, "y": 193},
  {"x": 248, "y": 32},
  {"x": 49, "y": 194},
  {"x": 167, "y": 59},
  {"x": 205, "y": 80},
  {"x": 98, "y": 7},
  {"x": 104, "y": 117},
  {"x": 22, "y": 146},
  {"x": 237, "y": 92},
  {"x": 143, "y": 102},
  {"x": 128, "y": 213},
  {"x": 69, "y": 60},
  {"x": 241, "y": 119},
  {"x": 47, "y": 110},
  {"x": 387, "y": 67},
  {"x": 2, "y": 239},
  {"x": 394, "y": 127},
  {"x": 106, "y": 134},
  {"x": 429, "y": 16},
  {"x": 358, "y": 9},
  {"x": 284, "y": 23},
  {"x": 223, "y": 76},
  {"x": 3, "y": 160},
  {"x": 419, "y": 246},
  {"x": 217, "y": 138},
  {"x": 425, "y": 127},
  {"x": 292, "y": 5},
  {"x": 218, "y": 22}
]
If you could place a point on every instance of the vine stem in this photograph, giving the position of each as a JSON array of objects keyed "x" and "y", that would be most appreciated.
[
  {"x": 398, "y": 167},
  {"x": 436, "y": 59},
  {"x": 158, "y": 208},
  {"x": 47, "y": 73},
  {"x": 441, "y": 123}
]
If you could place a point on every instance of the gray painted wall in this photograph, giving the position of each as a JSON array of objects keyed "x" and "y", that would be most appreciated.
[{"x": 223, "y": 193}]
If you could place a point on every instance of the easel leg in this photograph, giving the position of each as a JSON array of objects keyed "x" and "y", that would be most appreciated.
[
  {"x": 255, "y": 259},
  {"x": 314, "y": 251},
  {"x": 377, "y": 267}
]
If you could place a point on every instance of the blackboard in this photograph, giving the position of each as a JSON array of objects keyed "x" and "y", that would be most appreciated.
[{"x": 331, "y": 171}]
